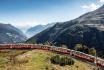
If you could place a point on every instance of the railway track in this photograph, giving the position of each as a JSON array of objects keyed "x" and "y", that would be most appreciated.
[{"x": 76, "y": 54}]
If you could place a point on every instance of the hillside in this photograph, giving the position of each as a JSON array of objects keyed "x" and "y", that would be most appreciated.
[
  {"x": 10, "y": 34},
  {"x": 36, "y": 60},
  {"x": 87, "y": 29},
  {"x": 38, "y": 28}
]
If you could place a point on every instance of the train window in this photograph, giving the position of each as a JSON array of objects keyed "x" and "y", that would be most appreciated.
[
  {"x": 102, "y": 62},
  {"x": 12, "y": 46},
  {"x": 98, "y": 61},
  {"x": 58, "y": 49},
  {"x": 25, "y": 46},
  {"x": 29, "y": 46}
]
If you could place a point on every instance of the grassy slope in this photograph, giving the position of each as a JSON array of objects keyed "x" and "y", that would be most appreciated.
[{"x": 36, "y": 60}]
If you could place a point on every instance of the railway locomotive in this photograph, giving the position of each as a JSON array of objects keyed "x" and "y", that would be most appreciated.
[{"x": 73, "y": 53}]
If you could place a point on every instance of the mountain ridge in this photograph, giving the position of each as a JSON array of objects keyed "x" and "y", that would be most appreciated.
[
  {"x": 87, "y": 29},
  {"x": 10, "y": 34}
]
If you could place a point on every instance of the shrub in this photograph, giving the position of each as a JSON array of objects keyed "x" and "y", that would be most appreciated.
[
  {"x": 92, "y": 51},
  {"x": 61, "y": 60},
  {"x": 55, "y": 59},
  {"x": 85, "y": 49}
]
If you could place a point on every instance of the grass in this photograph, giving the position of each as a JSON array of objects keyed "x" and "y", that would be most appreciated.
[
  {"x": 35, "y": 60},
  {"x": 5, "y": 57}
]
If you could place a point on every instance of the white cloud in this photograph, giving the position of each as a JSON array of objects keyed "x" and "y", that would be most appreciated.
[
  {"x": 101, "y": 1},
  {"x": 25, "y": 24},
  {"x": 91, "y": 7}
]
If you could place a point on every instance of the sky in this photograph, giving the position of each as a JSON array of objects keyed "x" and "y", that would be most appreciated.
[{"x": 28, "y": 13}]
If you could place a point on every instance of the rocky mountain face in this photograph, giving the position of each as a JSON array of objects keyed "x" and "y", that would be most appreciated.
[
  {"x": 87, "y": 29},
  {"x": 10, "y": 34},
  {"x": 36, "y": 29}
]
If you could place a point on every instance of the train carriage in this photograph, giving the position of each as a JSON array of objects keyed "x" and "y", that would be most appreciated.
[
  {"x": 45, "y": 47},
  {"x": 4, "y": 46},
  {"x": 100, "y": 62},
  {"x": 90, "y": 58},
  {"x": 83, "y": 56}
]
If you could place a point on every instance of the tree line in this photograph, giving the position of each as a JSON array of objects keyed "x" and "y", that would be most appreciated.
[{"x": 85, "y": 49}]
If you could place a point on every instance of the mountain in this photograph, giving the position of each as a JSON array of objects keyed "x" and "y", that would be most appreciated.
[
  {"x": 36, "y": 29},
  {"x": 87, "y": 29},
  {"x": 10, "y": 34}
]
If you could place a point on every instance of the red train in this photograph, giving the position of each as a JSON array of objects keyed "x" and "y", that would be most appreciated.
[{"x": 76, "y": 54}]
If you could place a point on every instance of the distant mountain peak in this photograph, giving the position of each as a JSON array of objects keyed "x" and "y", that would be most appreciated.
[
  {"x": 10, "y": 34},
  {"x": 38, "y": 28}
]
